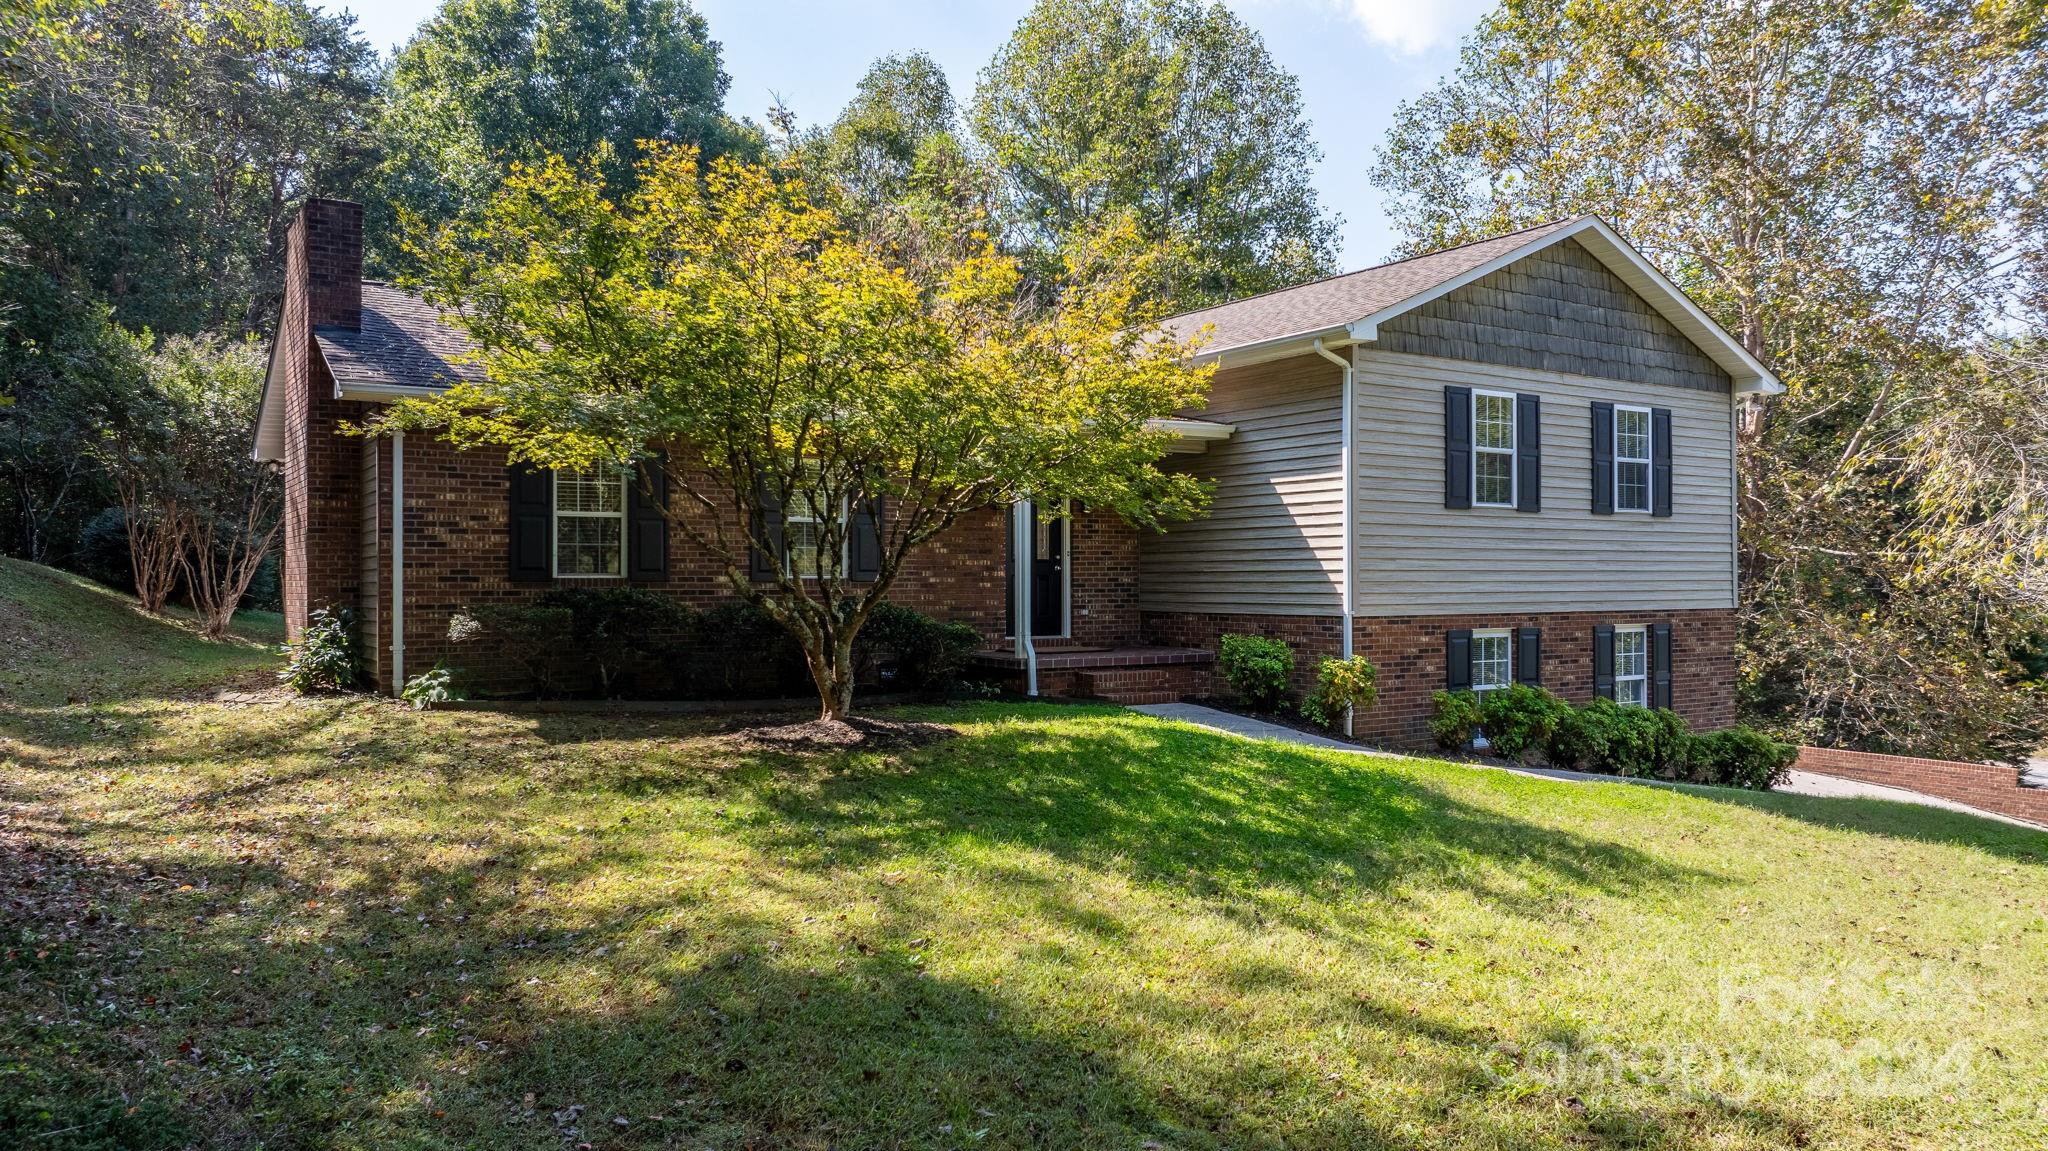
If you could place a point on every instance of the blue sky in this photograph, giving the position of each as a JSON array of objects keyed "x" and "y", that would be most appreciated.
[{"x": 1356, "y": 59}]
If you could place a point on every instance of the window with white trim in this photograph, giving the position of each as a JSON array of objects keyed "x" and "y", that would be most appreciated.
[
  {"x": 1492, "y": 660},
  {"x": 1632, "y": 666},
  {"x": 1493, "y": 449},
  {"x": 590, "y": 524},
  {"x": 1631, "y": 459},
  {"x": 803, "y": 532}
]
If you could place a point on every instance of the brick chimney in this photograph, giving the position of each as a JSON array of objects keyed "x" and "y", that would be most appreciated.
[{"x": 334, "y": 263}]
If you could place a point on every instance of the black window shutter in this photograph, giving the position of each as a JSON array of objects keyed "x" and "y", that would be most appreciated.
[
  {"x": 1603, "y": 661},
  {"x": 647, "y": 523},
  {"x": 530, "y": 522},
  {"x": 1660, "y": 665},
  {"x": 1660, "y": 461},
  {"x": 1458, "y": 660},
  {"x": 1528, "y": 453},
  {"x": 763, "y": 565},
  {"x": 1529, "y": 656},
  {"x": 867, "y": 539},
  {"x": 1457, "y": 447},
  {"x": 1603, "y": 458}
]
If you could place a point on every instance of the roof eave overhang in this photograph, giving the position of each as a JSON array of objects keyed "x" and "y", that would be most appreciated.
[
  {"x": 383, "y": 392},
  {"x": 1277, "y": 348}
]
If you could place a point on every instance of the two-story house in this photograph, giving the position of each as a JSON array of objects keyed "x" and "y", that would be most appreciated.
[{"x": 1507, "y": 461}]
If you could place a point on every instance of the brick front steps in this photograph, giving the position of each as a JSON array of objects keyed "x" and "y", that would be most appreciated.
[{"x": 1118, "y": 675}]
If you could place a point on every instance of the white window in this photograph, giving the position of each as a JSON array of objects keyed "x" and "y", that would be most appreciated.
[
  {"x": 590, "y": 523},
  {"x": 1493, "y": 449},
  {"x": 1492, "y": 660},
  {"x": 1631, "y": 459},
  {"x": 803, "y": 533},
  {"x": 1632, "y": 666}
]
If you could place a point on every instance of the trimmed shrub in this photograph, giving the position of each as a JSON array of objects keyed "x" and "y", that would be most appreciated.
[
  {"x": 1738, "y": 757},
  {"x": 1341, "y": 684},
  {"x": 742, "y": 653},
  {"x": 1257, "y": 669},
  {"x": 1519, "y": 717},
  {"x": 1632, "y": 741},
  {"x": 324, "y": 656},
  {"x": 1454, "y": 718},
  {"x": 533, "y": 638},
  {"x": 617, "y": 631},
  {"x": 902, "y": 647}
]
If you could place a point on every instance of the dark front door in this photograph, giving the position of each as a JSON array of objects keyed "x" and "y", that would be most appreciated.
[{"x": 1048, "y": 577}]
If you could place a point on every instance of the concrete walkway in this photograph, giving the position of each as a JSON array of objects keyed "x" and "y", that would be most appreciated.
[
  {"x": 2035, "y": 774},
  {"x": 1797, "y": 783}
]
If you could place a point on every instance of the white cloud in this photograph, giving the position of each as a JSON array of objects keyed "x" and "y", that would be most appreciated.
[{"x": 1412, "y": 27}]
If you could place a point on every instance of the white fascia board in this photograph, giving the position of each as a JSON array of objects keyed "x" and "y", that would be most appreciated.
[
  {"x": 1750, "y": 376},
  {"x": 1277, "y": 348},
  {"x": 1192, "y": 437},
  {"x": 382, "y": 393}
]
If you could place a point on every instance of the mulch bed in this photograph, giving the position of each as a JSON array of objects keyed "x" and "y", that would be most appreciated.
[{"x": 860, "y": 733}]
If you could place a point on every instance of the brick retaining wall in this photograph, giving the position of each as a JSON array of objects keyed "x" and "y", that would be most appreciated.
[{"x": 1979, "y": 785}]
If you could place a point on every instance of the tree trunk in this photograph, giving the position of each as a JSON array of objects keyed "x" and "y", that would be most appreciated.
[{"x": 832, "y": 674}]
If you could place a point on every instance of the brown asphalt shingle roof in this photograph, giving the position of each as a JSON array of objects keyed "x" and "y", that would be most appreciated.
[
  {"x": 1339, "y": 300},
  {"x": 405, "y": 340}
]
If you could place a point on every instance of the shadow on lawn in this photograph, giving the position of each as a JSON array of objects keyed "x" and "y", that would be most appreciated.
[
  {"x": 429, "y": 1016},
  {"x": 1896, "y": 819},
  {"x": 1207, "y": 814},
  {"x": 422, "y": 1001}
]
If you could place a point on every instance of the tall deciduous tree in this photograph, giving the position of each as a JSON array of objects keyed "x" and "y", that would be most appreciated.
[
  {"x": 1856, "y": 191},
  {"x": 726, "y": 315},
  {"x": 487, "y": 84},
  {"x": 1169, "y": 111}
]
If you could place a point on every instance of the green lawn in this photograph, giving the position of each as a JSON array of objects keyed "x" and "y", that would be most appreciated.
[{"x": 338, "y": 923}]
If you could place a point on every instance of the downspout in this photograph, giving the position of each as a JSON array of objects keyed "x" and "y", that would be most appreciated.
[
  {"x": 1348, "y": 466},
  {"x": 1020, "y": 592},
  {"x": 397, "y": 562}
]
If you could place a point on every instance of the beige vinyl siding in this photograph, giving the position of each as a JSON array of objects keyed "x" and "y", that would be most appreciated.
[
  {"x": 1417, "y": 557},
  {"x": 1273, "y": 541}
]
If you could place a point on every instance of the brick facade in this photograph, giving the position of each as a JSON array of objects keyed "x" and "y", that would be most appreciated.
[
  {"x": 1409, "y": 653},
  {"x": 323, "y": 288},
  {"x": 457, "y": 544},
  {"x": 1979, "y": 785}
]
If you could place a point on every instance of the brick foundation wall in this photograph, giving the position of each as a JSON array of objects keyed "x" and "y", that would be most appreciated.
[
  {"x": 1978, "y": 785},
  {"x": 456, "y": 545},
  {"x": 1408, "y": 652},
  {"x": 1311, "y": 636}
]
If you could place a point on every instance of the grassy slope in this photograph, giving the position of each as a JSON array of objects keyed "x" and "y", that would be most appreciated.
[
  {"x": 63, "y": 637},
  {"x": 341, "y": 924}
]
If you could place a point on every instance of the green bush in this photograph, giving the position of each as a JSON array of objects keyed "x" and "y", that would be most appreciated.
[
  {"x": 742, "y": 653},
  {"x": 429, "y": 688},
  {"x": 1453, "y": 718},
  {"x": 324, "y": 657},
  {"x": 1607, "y": 737},
  {"x": 532, "y": 638},
  {"x": 1257, "y": 669},
  {"x": 1518, "y": 718},
  {"x": 1341, "y": 684},
  {"x": 1738, "y": 757},
  {"x": 906, "y": 648},
  {"x": 615, "y": 631}
]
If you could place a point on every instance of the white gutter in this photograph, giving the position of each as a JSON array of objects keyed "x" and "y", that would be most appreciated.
[
  {"x": 397, "y": 562},
  {"x": 1349, "y": 467},
  {"x": 1020, "y": 594}
]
